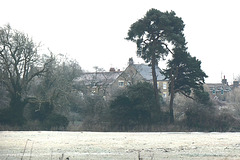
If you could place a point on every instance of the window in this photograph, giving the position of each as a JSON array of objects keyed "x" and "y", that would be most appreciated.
[
  {"x": 164, "y": 95},
  {"x": 158, "y": 84},
  {"x": 120, "y": 83},
  {"x": 164, "y": 85}
]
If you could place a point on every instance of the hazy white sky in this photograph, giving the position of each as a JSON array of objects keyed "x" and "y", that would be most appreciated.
[{"x": 93, "y": 31}]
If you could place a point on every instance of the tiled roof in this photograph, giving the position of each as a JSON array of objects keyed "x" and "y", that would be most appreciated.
[
  {"x": 99, "y": 78},
  {"x": 218, "y": 86},
  {"x": 146, "y": 72}
]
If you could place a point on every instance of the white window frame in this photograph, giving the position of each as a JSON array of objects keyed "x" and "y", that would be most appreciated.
[
  {"x": 164, "y": 85},
  {"x": 120, "y": 83}
]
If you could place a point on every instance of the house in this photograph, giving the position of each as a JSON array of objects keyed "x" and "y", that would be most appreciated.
[
  {"x": 108, "y": 83},
  {"x": 135, "y": 73},
  {"x": 235, "y": 84},
  {"x": 219, "y": 90},
  {"x": 98, "y": 82}
]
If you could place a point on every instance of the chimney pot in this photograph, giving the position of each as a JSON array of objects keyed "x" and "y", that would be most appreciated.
[{"x": 112, "y": 70}]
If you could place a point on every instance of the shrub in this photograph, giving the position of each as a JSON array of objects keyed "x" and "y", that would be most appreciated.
[
  {"x": 55, "y": 121},
  {"x": 201, "y": 118},
  {"x": 121, "y": 111},
  {"x": 40, "y": 111},
  {"x": 133, "y": 107},
  {"x": 9, "y": 116},
  {"x": 202, "y": 97}
]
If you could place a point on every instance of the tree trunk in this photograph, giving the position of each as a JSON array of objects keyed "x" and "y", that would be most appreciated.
[
  {"x": 156, "y": 110},
  {"x": 16, "y": 109},
  {"x": 155, "y": 83},
  {"x": 171, "y": 114}
]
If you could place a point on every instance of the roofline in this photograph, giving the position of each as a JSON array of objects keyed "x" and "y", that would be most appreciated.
[
  {"x": 102, "y": 72},
  {"x": 213, "y": 83}
]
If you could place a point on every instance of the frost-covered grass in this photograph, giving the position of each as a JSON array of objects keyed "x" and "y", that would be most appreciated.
[{"x": 118, "y": 145}]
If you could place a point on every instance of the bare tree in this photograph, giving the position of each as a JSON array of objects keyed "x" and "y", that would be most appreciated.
[
  {"x": 20, "y": 61},
  {"x": 56, "y": 86},
  {"x": 4, "y": 100}
]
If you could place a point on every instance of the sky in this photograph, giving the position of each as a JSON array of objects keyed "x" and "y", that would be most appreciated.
[{"x": 93, "y": 31}]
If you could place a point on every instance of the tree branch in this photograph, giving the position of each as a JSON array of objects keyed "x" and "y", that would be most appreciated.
[
  {"x": 187, "y": 95},
  {"x": 167, "y": 47},
  {"x": 40, "y": 71}
]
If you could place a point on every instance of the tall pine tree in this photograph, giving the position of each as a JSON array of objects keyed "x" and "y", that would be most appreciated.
[
  {"x": 153, "y": 33},
  {"x": 185, "y": 75}
]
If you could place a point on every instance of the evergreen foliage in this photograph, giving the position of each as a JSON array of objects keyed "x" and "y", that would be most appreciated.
[
  {"x": 202, "y": 97},
  {"x": 152, "y": 34},
  {"x": 186, "y": 72},
  {"x": 185, "y": 75},
  {"x": 133, "y": 107}
]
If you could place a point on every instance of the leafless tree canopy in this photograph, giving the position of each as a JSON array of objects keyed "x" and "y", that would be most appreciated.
[{"x": 19, "y": 60}]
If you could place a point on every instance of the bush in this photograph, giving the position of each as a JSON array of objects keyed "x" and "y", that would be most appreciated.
[
  {"x": 9, "y": 116},
  {"x": 121, "y": 112},
  {"x": 202, "y": 97},
  {"x": 56, "y": 121},
  {"x": 133, "y": 107},
  {"x": 201, "y": 118},
  {"x": 40, "y": 111}
]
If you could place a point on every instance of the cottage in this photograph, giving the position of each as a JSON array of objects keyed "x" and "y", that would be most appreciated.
[
  {"x": 135, "y": 73},
  {"x": 219, "y": 90},
  {"x": 107, "y": 83},
  {"x": 98, "y": 82}
]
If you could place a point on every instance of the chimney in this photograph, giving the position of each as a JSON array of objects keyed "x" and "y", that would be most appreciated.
[
  {"x": 130, "y": 61},
  {"x": 224, "y": 80},
  {"x": 235, "y": 84},
  {"x": 112, "y": 69}
]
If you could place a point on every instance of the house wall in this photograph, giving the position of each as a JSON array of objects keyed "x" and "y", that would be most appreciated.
[
  {"x": 132, "y": 76},
  {"x": 218, "y": 90},
  {"x": 128, "y": 77},
  {"x": 163, "y": 87}
]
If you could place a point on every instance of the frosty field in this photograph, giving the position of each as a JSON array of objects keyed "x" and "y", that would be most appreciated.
[{"x": 118, "y": 145}]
